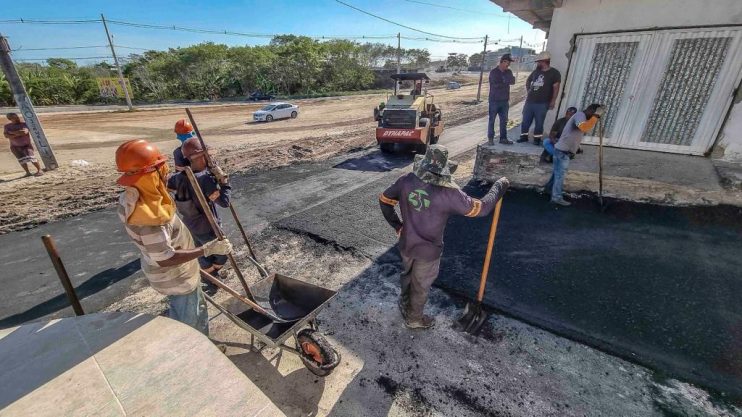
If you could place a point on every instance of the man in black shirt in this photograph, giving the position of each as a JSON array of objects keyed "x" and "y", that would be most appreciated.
[
  {"x": 542, "y": 87},
  {"x": 554, "y": 134}
]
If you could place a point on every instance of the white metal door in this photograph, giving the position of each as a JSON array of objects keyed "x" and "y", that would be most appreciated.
[{"x": 665, "y": 90}]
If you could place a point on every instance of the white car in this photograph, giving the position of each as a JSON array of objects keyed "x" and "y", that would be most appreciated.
[
  {"x": 275, "y": 111},
  {"x": 453, "y": 85}
]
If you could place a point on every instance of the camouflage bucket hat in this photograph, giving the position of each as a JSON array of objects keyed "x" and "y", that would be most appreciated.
[{"x": 435, "y": 168}]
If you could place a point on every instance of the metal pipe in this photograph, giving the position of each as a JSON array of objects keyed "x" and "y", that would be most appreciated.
[{"x": 51, "y": 249}]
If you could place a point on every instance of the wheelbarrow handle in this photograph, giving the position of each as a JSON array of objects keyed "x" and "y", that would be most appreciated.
[{"x": 488, "y": 255}]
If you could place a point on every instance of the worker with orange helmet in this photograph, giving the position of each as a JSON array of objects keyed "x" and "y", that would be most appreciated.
[
  {"x": 183, "y": 131},
  {"x": 217, "y": 191},
  {"x": 168, "y": 253}
]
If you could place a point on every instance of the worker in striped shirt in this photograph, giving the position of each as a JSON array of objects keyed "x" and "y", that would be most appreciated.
[
  {"x": 427, "y": 197},
  {"x": 168, "y": 254}
]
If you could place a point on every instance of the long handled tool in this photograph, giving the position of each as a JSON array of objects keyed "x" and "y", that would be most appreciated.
[
  {"x": 474, "y": 316},
  {"x": 215, "y": 227},
  {"x": 211, "y": 164},
  {"x": 600, "y": 163}
]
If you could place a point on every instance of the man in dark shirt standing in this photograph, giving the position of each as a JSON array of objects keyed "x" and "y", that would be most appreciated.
[
  {"x": 542, "y": 87},
  {"x": 217, "y": 192},
  {"x": 20, "y": 143},
  {"x": 427, "y": 197},
  {"x": 501, "y": 78}
]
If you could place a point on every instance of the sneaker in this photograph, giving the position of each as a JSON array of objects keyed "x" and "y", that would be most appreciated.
[
  {"x": 425, "y": 322},
  {"x": 209, "y": 288},
  {"x": 523, "y": 139},
  {"x": 543, "y": 157},
  {"x": 537, "y": 141},
  {"x": 561, "y": 202},
  {"x": 506, "y": 141}
]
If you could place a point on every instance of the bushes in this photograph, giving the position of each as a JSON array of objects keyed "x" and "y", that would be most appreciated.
[{"x": 288, "y": 65}]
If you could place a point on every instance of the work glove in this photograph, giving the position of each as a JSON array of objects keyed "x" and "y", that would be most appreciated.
[
  {"x": 600, "y": 111},
  {"x": 217, "y": 247},
  {"x": 502, "y": 184},
  {"x": 219, "y": 174}
]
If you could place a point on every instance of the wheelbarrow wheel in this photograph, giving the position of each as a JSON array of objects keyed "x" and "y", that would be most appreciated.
[{"x": 316, "y": 353}]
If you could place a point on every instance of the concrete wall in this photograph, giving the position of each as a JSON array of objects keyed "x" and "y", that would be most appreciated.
[{"x": 590, "y": 16}]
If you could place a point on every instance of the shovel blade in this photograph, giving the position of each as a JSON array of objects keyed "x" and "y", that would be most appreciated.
[{"x": 472, "y": 319}]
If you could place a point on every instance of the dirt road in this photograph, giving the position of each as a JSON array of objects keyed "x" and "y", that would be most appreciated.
[{"x": 325, "y": 127}]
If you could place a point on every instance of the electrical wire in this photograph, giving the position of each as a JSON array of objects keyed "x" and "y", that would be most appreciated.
[
  {"x": 62, "y": 57},
  {"x": 51, "y": 22},
  {"x": 61, "y": 48},
  {"x": 401, "y": 25},
  {"x": 456, "y": 8}
]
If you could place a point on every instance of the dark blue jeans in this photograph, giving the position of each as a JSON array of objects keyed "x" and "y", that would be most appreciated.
[
  {"x": 498, "y": 108},
  {"x": 533, "y": 112}
]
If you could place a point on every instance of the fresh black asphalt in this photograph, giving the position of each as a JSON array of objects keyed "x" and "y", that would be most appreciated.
[{"x": 655, "y": 285}]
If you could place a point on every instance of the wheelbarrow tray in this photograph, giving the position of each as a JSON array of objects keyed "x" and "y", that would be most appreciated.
[{"x": 288, "y": 297}]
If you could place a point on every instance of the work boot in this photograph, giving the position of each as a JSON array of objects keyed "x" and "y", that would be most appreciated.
[
  {"x": 561, "y": 202},
  {"x": 506, "y": 141},
  {"x": 402, "y": 303},
  {"x": 523, "y": 139},
  {"x": 537, "y": 141},
  {"x": 490, "y": 142},
  {"x": 425, "y": 322},
  {"x": 209, "y": 288}
]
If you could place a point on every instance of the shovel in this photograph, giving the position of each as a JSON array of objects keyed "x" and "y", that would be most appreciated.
[{"x": 474, "y": 316}]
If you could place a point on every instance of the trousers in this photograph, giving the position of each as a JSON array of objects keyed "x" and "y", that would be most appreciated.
[
  {"x": 533, "y": 112},
  {"x": 556, "y": 182},
  {"x": 190, "y": 309},
  {"x": 498, "y": 109},
  {"x": 415, "y": 280}
]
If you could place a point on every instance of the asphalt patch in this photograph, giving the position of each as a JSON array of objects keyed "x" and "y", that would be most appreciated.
[{"x": 655, "y": 285}]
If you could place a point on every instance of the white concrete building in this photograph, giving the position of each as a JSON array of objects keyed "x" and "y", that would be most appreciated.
[{"x": 669, "y": 71}]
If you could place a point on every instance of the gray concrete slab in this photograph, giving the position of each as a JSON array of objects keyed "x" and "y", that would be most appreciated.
[{"x": 121, "y": 364}]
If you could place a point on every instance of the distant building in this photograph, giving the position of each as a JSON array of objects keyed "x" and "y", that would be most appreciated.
[{"x": 519, "y": 55}]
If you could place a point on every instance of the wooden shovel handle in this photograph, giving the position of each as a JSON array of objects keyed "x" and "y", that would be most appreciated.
[{"x": 488, "y": 255}]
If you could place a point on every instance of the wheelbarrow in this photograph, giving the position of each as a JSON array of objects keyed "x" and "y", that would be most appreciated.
[
  {"x": 276, "y": 307},
  {"x": 297, "y": 303}
]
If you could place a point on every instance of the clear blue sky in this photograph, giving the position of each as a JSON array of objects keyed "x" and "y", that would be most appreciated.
[{"x": 301, "y": 17}]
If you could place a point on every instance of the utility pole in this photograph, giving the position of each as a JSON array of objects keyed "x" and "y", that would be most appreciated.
[
  {"x": 481, "y": 68},
  {"x": 399, "y": 61},
  {"x": 26, "y": 107},
  {"x": 520, "y": 57},
  {"x": 118, "y": 67}
]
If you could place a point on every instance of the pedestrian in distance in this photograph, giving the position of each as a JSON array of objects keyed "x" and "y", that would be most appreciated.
[
  {"x": 501, "y": 78},
  {"x": 564, "y": 151},
  {"x": 554, "y": 134},
  {"x": 183, "y": 131},
  {"x": 427, "y": 197},
  {"x": 20, "y": 143},
  {"x": 542, "y": 87},
  {"x": 168, "y": 253},
  {"x": 217, "y": 192}
]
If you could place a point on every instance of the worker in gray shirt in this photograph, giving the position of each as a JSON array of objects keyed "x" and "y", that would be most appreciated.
[
  {"x": 427, "y": 197},
  {"x": 575, "y": 129}
]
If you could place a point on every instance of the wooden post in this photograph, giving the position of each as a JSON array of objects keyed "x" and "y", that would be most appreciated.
[
  {"x": 118, "y": 67},
  {"x": 51, "y": 249},
  {"x": 26, "y": 107},
  {"x": 481, "y": 68},
  {"x": 399, "y": 62}
]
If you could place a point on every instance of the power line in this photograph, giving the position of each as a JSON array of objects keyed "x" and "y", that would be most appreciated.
[
  {"x": 456, "y": 8},
  {"x": 399, "y": 24},
  {"x": 52, "y": 22},
  {"x": 61, "y": 57},
  {"x": 439, "y": 40},
  {"x": 61, "y": 48}
]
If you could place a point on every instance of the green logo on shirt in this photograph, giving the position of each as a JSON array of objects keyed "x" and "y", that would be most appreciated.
[{"x": 419, "y": 199}]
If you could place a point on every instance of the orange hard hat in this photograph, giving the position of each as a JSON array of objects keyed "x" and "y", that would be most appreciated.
[
  {"x": 183, "y": 126},
  {"x": 136, "y": 158},
  {"x": 191, "y": 147}
]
